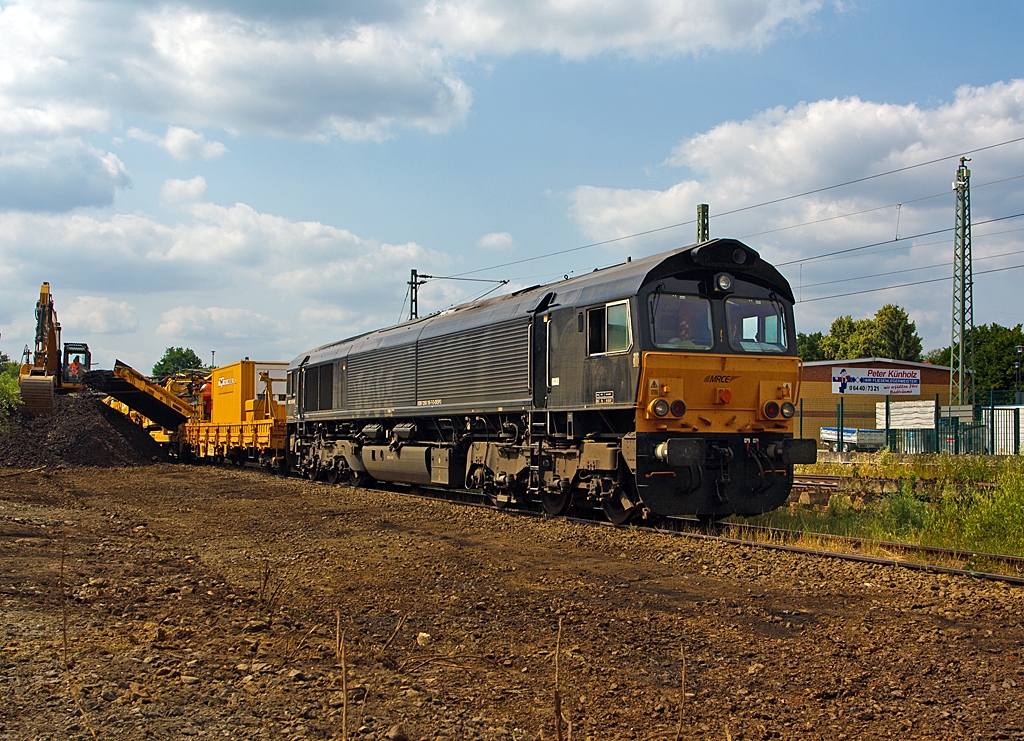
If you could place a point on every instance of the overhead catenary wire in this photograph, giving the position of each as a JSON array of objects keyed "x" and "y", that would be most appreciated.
[
  {"x": 848, "y": 250},
  {"x": 910, "y": 244},
  {"x": 744, "y": 208},
  {"x": 402, "y": 312},
  {"x": 904, "y": 285},
  {"x": 905, "y": 270},
  {"x": 875, "y": 208}
]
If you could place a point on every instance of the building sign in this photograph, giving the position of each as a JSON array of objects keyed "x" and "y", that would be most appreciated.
[{"x": 886, "y": 381}]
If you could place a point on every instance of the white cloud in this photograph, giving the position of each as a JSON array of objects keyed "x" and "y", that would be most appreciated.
[
  {"x": 581, "y": 28},
  {"x": 305, "y": 77},
  {"x": 785, "y": 151},
  {"x": 348, "y": 71},
  {"x": 341, "y": 323},
  {"x": 57, "y": 174},
  {"x": 50, "y": 118},
  {"x": 71, "y": 70},
  {"x": 99, "y": 315},
  {"x": 496, "y": 241},
  {"x": 214, "y": 324},
  {"x": 183, "y": 191},
  {"x": 181, "y": 143},
  {"x": 242, "y": 281}
]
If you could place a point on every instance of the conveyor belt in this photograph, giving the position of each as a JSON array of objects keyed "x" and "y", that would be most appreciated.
[{"x": 133, "y": 389}]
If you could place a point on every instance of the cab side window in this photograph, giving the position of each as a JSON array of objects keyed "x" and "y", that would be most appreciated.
[{"x": 608, "y": 329}]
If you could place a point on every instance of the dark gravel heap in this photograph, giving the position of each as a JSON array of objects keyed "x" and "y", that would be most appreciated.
[
  {"x": 100, "y": 380},
  {"x": 82, "y": 431}
]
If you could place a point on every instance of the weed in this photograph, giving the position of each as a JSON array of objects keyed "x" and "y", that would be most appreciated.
[
  {"x": 960, "y": 515},
  {"x": 903, "y": 514}
]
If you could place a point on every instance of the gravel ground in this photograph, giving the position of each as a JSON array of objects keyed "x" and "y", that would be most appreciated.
[{"x": 204, "y": 603}]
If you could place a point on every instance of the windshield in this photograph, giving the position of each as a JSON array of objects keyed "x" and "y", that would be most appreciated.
[
  {"x": 756, "y": 325},
  {"x": 679, "y": 321}
]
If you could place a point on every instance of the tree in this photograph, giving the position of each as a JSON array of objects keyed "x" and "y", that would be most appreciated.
[
  {"x": 847, "y": 339},
  {"x": 176, "y": 359},
  {"x": 938, "y": 356},
  {"x": 994, "y": 355},
  {"x": 995, "y": 352},
  {"x": 809, "y": 346},
  {"x": 895, "y": 336},
  {"x": 890, "y": 334},
  {"x": 10, "y": 394}
]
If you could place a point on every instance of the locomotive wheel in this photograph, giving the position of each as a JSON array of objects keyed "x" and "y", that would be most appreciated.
[
  {"x": 557, "y": 504},
  {"x": 709, "y": 523},
  {"x": 332, "y": 476},
  {"x": 618, "y": 513}
]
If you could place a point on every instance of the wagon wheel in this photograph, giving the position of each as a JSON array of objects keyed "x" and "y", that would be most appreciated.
[
  {"x": 618, "y": 513},
  {"x": 557, "y": 504}
]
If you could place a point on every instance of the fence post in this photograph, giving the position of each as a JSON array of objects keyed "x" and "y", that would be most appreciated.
[
  {"x": 839, "y": 431},
  {"x": 938, "y": 416},
  {"x": 888, "y": 425},
  {"x": 991, "y": 426},
  {"x": 801, "y": 417},
  {"x": 1016, "y": 430}
]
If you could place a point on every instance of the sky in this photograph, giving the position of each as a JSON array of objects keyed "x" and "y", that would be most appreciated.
[{"x": 259, "y": 178}]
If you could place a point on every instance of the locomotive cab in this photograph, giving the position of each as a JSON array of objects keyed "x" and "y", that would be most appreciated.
[{"x": 720, "y": 377}]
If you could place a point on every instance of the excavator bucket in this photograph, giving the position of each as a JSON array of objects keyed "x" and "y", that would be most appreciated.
[{"x": 37, "y": 393}]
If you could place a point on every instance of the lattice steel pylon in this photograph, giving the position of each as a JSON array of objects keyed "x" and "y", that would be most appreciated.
[{"x": 961, "y": 377}]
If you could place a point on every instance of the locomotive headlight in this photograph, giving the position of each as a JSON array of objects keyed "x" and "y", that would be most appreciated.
[
  {"x": 788, "y": 410},
  {"x": 678, "y": 408},
  {"x": 659, "y": 407},
  {"x": 724, "y": 282},
  {"x": 771, "y": 409}
]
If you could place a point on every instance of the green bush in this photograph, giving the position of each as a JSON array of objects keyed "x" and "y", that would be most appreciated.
[
  {"x": 10, "y": 397},
  {"x": 958, "y": 513},
  {"x": 989, "y": 520},
  {"x": 902, "y": 515}
]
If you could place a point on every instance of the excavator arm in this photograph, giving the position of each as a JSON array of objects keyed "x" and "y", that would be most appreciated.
[{"x": 39, "y": 377}]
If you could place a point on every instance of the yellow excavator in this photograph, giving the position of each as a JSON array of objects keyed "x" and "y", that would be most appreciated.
[{"x": 46, "y": 371}]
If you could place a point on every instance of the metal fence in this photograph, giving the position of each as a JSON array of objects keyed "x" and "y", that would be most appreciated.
[{"x": 990, "y": 430}]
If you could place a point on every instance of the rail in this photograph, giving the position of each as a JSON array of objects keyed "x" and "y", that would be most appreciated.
[{"x": 686, "y": 528}]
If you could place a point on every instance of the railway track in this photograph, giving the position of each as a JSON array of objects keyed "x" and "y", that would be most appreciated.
[
  {"x": 1008, "y": 562},
  {"x": 771, "y": 538},
  {"x": 830, "y": 483},
  {"x": 827, "y": 483}
]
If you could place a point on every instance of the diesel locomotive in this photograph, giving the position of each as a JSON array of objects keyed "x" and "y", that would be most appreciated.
[{"x": 660, "y": 386}]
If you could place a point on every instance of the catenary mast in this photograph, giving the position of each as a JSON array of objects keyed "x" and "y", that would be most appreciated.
[{"x": 961, "y": 377}]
